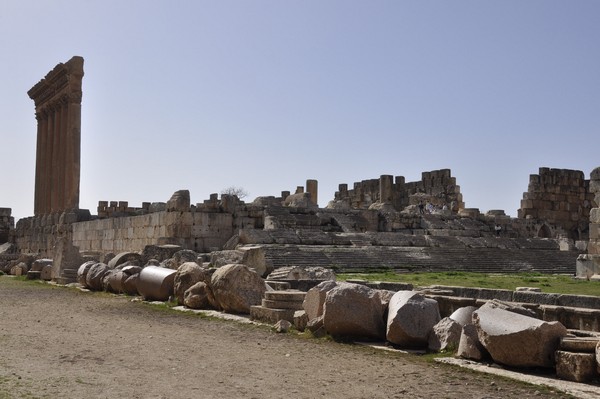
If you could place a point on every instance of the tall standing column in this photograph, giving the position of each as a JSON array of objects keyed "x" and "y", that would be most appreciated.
[
  {"x": 64, "y": 114},
  {"x": 57, "y": 99},
  {"x": 73, "y": 144},
  {"x": 43, "y": 183},
  {"x": 38, "y": 165},
  {"x": 312, "y": 187},
  {"x": 57, "y": 162},
  {"x": 385, "y": 189},
  {"x": 50, "y": 181}
]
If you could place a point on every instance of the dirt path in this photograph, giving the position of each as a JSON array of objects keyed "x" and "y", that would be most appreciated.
[{"x": 61, "y": 343}]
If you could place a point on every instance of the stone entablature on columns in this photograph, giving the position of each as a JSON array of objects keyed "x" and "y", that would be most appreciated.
[{"x": 57, "y": 99}]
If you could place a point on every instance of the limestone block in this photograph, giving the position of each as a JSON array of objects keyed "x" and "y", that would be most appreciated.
[
  {"x": 116, "y": 280},
  {"x": 155, "y": 218},
  {"x": 20, "y": 269},
  {"x": 39, "y": 264},
  {"x": 510, "y": 307},
  {"x": 300, "y": 320},
  {"x": 188, "y": 274},
  {"x": 171, "y": 218},
  {"x": 130, "y": 284},
  {"x": 579, "y": 344},
  {"x": 594, "y": 231},
  {"x": 464, "y": 315},
  {"x": 578, "y": 367},
  {"x": 271, "y": 315},
  {"x": 46, "y": 273},
  {"x": 594, "y": 247},
  {"x": 271, "y": 304},
  {"x": 95, "y": 275},
  {"x": 411, "y": 318},
  {"x": 445, "y": 335},
  {"x": 595, "y": 215},
  {"x": 83, "y": 270},
  {"x": 517, "y": 340},
  {"x": 196, "y": 296},
  {"x": 579, "y": 301},
  {"x": 150, "y": 232},
  {"x": 179, "y": 201},
  {"x": 354, "y": 310},
  {"x": 469, "y": 346},
  {"x": 106, "y": 245},
  {"x": 123, "y": 257},
  {"x": 315, "y": 299},
  {"x": 236, "y": 287}
]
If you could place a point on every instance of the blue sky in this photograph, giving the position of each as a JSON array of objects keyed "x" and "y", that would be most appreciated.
[{"x": 202, "y": 95}]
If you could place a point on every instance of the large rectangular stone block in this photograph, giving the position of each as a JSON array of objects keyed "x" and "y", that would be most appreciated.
[
  {"x": 594, "y": 247},
  {"x": 595, "y": 215},
  {"x": 594, "y": 231}
]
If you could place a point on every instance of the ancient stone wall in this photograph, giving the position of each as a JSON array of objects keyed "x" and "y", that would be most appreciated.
[
  {"x": 39, "y": 234},
  {"x": 7, "y": 224},
  {"x": 57, "y": 100},
  {"x": 437, "y": 187},
  {"x": 202, "y": 227},
  {"x": 561, "y": 199},
  {"x": 108, "y": 209},
  {"x": 199, "y": 231},
  {"x": 588, "y": 265},
  {"x": 594, "y": 243}
]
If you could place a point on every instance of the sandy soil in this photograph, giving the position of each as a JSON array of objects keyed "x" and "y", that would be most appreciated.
[{"x": 57, "y": 342}]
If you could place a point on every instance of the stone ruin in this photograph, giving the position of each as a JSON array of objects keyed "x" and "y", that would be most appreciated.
[
  {"x": 57, "y": 100},
  {"x": 437, "y": 188},
  {"x": 378, "y": 224},
  {"x": 7, "y": 225},
  {"x": 588, "y": 265},
  {"x": 560, "y": 201},
  {"x": 202, "y": 254}
]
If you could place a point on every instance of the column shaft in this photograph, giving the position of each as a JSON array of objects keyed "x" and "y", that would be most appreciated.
[
  {"x": 38, "y": 166},
  {"x": 55, "y": 162},
  {"x": 73, "y": 157},
  {"x": 312, "y": 187},
  {"x": 385, "y": 189},
  {"x": 49, "y": 163}
]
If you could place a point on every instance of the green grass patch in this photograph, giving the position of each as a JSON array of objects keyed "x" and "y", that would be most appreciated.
[{"x": 550, "y": 283}]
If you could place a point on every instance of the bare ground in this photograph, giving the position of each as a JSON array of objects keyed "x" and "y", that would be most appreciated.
[{"x": 62, "y": 343}]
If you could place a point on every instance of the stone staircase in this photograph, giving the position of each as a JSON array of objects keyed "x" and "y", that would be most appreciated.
[
  {"x": 345, "y": 241},
  {"x": 415, "y": 259}
]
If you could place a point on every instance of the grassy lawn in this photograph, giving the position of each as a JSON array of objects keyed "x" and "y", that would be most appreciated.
[{"x": 546, "y": 282}]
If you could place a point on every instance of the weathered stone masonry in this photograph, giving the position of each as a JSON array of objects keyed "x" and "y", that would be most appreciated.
[
  {"x": 7, "y": 223},
  {"x": 561, "y": 200},
  {"x": 437, "y": 187}
]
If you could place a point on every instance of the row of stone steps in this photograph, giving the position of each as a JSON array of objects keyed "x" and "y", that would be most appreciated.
[
  {"x": 362, "y": 259},
  {"x": 317, "y": 237}
]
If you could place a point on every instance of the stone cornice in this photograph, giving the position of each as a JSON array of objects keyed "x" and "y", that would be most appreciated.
[{"x": 64, "y": 81}]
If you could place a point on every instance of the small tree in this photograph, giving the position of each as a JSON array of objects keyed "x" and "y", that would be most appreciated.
[{"x": 234, "y": 190}]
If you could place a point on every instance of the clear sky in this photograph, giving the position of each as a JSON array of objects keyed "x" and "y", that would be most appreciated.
[{"x": 202, "y": 95}]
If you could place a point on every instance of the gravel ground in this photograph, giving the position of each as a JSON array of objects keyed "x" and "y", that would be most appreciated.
[{"x": 57, "y": 342}]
